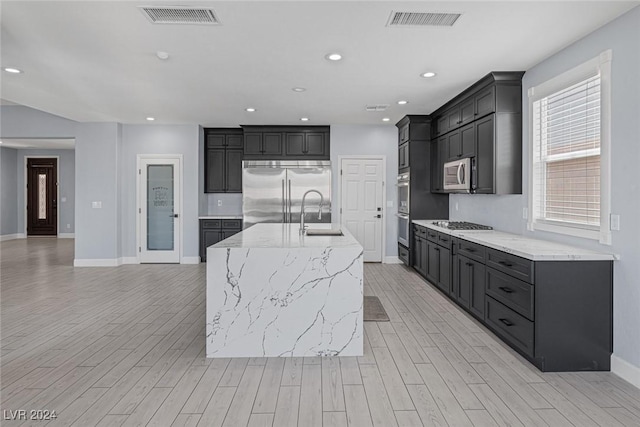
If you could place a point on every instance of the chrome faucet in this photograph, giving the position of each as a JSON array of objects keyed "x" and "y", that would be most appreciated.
[{"x": 302, "y": 226}]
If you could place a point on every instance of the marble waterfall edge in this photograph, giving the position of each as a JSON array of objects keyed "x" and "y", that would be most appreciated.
[{"x": 267, "y": 302}]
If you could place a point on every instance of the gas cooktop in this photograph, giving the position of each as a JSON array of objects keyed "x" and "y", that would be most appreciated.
[{"x": 461, "y": 225}]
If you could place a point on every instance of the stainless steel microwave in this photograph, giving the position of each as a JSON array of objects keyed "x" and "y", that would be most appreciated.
[{"x": 457, "y": 176}]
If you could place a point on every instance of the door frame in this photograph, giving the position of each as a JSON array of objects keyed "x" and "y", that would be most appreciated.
[
  {"x": 26, "y": 192},
  {"x": 383, "y": 158},
  {"x": 138, "y": 213}
]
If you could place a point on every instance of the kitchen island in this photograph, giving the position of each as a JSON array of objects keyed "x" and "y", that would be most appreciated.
[{"x": 273, "y": 292}]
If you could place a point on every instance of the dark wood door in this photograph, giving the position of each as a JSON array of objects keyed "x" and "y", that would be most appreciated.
[
  {"x": 253, "y": 143},
  {"x": 234, "y": 171},
  {"x": 295, "y": 145},
  {"x": 403, "y": 156},
  {"x": 272, "y": 144},
  {"x": 42, "y": 194},
  {"x": 468, "y": 141},
  {"x": 235, "y": 141}
]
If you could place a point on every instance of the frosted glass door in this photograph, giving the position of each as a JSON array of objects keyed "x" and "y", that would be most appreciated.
[
  {"x": 160, "y": 213},
  {"x": 159, "y": 210}
]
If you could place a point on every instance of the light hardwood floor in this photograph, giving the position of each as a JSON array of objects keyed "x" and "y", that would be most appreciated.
[{"x": 125, "y": 346}]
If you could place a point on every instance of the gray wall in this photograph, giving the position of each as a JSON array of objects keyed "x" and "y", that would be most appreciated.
[
  {"x": 369, "y": 140},
  {"x": 66, "y": 187},
  {"x": 505, "y": 212},
  {"x": 8, "y": 191},
  {"x": 96, "y": 180},
  {"x": 17, "y": 121},
  {"x": 160, "y": 139}
]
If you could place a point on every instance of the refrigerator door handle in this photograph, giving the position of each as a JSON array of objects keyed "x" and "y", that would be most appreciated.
[
  {"x": 284, "y": 211},
  {"x": 289, "y": 220}
]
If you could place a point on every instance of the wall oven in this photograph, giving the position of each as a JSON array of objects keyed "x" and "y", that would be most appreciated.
[
  {"x": 403, "y": 193},
  {"x": 457, "y": 176},
  {"x": 403, "y": 229}
]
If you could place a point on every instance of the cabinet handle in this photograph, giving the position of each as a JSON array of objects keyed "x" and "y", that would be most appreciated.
[
  {"x": 437, "y": 249},
  {"x": 505, "y": 289},
  {"x": 459, "y": 155},
  {"x": 469, "y": 249},
  {"x": 505, "y": 263},
  {"x": 469, "y": 264},
  {"x": 506, "y": 322}
]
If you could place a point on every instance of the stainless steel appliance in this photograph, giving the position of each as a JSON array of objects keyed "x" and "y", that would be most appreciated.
[
  {"x": 461, "y": 225},
  {"x": 457, "y": 176},
  {"x": 403, "y": 229},
  {"x": 272, "y": 190},
  {"x": 403, "y": 193}
]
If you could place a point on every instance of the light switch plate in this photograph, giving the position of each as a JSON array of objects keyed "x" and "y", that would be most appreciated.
[
  {"x": 615, "y": 222},
  {"x": 96, "y": 205},
  {"x": 64, "y": 199},
  {"x": 525, "y": 213},
  {"x": 389, "y": 203},
  {"x": 219, "y": 202}
]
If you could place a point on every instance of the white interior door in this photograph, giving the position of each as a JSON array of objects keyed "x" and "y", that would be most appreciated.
[
  {"x": 159, "y": 205},
  {"x": 361, "y": 194}
]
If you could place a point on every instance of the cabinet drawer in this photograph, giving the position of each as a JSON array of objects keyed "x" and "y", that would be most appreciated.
[
  {"x": 232, "y": 223},
  {"x": 444, "y": 240},
  {"x": 432, "y": 236},
  {"x": 515, "y": 266},
  {"x": 403, "y": 254},
  {"x": 514, "y": 328},
  {"x": 471, "y": 250},
  {"x": 420, "y": 231},
  {"x": 211, "y": 223},
  {"x": 513, "y": 293}
]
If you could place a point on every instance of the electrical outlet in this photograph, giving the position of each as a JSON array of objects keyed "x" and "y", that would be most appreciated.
[
  {"x": 525, "y": 213},
  {"x": 457, "y": 207},
  {"x": 68, "y": 226},
  {"x": 96, "y": 205},
  {"x": 389, "y": 203},
  {"x": 63, "y": 199},
  {"x": 219, "y": 202},
  {"x": 615, "y": 222}
]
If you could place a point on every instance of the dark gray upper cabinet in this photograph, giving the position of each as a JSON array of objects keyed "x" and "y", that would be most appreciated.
[
  {"x": 484, "y": 123},
  {"x": 286, "y": 142},
  {"x": 223, "y": 160}
]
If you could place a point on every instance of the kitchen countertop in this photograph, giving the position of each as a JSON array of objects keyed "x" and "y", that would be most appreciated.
[
  {"x": 287, "y": 236},
  {"x": 220, "y": 217},
  {"x": 525, "y": 247}
]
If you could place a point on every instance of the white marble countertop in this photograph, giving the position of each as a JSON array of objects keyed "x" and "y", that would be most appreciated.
[
  {"x": 286, "y": 236},
  {"x": 220, "y": 217},
  {"x": 525, "y": 247}
]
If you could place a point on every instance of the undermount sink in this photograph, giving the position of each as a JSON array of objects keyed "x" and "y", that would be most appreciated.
[{"x": 323, "y": 232}]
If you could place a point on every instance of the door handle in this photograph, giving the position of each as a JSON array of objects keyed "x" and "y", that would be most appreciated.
[
  {"x": 173, "y": 215},
  {"x": 284, "y": 209},
  {"x": 377, "y": 216}
]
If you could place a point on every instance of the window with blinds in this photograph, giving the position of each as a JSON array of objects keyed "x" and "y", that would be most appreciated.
[{"x": 566, "y": 156}]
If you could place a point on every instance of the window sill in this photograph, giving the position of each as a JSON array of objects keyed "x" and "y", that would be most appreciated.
[{"x": 604, "y": 237}]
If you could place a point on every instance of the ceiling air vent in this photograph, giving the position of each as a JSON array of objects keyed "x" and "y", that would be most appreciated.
[
  {"x": 377, "y": 107},
  {"x": 422, "y": 19},
  {"x": 179, "y": 15}
]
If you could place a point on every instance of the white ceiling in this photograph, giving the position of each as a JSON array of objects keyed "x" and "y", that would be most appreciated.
[
  {"x": 39, "y": 143},
  {"x": 95, "y": 61}
]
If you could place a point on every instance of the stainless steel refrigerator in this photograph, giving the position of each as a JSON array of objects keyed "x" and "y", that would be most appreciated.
[{"x": 272, "y": 190}]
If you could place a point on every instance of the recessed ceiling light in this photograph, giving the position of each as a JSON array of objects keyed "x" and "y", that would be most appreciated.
[
  {"x": 333, "y": 56},
  {"x": 251, "y": 110},
  {"x": 12, "y": 70},
  {"x": 403, "y": 102},
  {"x": 304, "y": 119},
  {"x": 162, "y": 55},
  {"x": 151, "y": 118},
  {"x": 428, "y": 74},
  {"x": 298, "y": 89},
  {"x": 386, "y": 119}
]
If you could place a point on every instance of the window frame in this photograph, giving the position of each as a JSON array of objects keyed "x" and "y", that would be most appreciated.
[{"x": 598, "y": 65}]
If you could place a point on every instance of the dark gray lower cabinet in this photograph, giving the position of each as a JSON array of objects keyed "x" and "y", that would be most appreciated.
[
  {"x": 557, "y": 314},
  {"x": 469, "y": 284},
  {"x": 213, "y": 231}
]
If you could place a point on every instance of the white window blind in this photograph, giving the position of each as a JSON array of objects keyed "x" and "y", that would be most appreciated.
[{"x": 566, "y": 156}]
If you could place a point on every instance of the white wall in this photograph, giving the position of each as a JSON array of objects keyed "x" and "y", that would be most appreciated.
[
  {"x": 505, "y": 212},
  {"x": 160, "y": 139},
  {"x": 368, "y": 140},
  {"x": 66, "y": 187}
]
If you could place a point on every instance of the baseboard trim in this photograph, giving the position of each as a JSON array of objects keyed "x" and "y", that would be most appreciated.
[
  {"x": 15, "y": 236},
  {"x": 625, "y": 370},
  {"x": 190, "y": 260},
  {"x": 128, "y": 260},
  {"x": 108, "y": 262},
  {"x": 66, "y": 235},
  {"x": 392, "y": 260}
]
